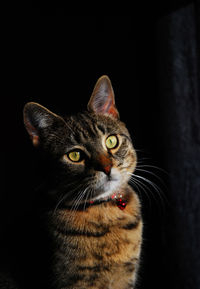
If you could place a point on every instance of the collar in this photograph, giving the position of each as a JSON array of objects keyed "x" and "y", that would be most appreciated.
[{"x": 118, "y": 198}]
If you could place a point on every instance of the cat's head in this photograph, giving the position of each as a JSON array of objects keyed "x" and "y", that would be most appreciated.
[{"x": 91, "y": 152}]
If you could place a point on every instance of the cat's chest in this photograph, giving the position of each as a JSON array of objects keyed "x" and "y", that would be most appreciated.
[
  {"x": 98, "y": 245},
  {"x": 101, "y": 233}
]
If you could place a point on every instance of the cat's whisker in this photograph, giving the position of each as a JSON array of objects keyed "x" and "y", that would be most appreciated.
[
  {"x": 75, "y": 200},
  {"x": 79, "y": 199},
  {"x": 132, "y": 181},
  {"x": 143, "y": 187},
  {"x": 147, "y": 181},
  {"x": 67, "y": 194},
  {"x": 141, "y": 160},
  {"x": 151, "y": 166},
  {"x": 60, "y": 201},
  {"x": 151, "y": 173},
  {"x": 72, "y": 214},
  {"x": 76, "y": 204},
  {"x": 86, "y": 199},
  {"x": 153, "y": 185},
  {"x": 135, "y": 185}
]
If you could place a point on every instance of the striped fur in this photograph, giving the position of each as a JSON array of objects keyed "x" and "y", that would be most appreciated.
[{"x": 95, "y": 244}]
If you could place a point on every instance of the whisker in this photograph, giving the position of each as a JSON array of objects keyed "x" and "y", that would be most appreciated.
[
  {"x": 143, "y": 187},
  {"x": 148, "y": 181},
  {"x": 77, "y": 202},
  {"x": 151, "y": 173},
  {"x": 153, "y": 185},
  {"x": 86, "y": 199},
  {"x": 67, "y": 194},
  {"x": 154, "y": 167}
]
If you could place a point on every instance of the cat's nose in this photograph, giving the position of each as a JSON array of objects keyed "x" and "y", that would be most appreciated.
[
  {"x": 107, "y": 170},
  {"x": 104, "y": 164}
]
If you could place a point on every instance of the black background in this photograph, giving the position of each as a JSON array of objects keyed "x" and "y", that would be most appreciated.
[{"x": 54, "y": 53}]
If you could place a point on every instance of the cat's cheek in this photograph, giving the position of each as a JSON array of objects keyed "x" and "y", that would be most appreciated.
[
  {"x": 100, "y": 179},
  {"x": 130, "y": 161}
]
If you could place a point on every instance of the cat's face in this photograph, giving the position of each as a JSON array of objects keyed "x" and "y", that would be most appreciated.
[{"x": 92, "y": 151}]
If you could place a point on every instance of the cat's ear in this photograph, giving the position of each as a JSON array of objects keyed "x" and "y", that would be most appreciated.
[
  {"x": 37, "y": 118},
  {"x": 102, "y": 100}
]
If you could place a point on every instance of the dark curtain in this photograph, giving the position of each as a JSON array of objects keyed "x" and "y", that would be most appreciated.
[
  {"x": 53, "y": 54},
  {"x": 179, "y": 98}
]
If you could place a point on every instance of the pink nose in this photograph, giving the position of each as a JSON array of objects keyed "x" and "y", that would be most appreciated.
[
  {"x": 107, "y": 169},
  {"x": 105, "y": 164}
]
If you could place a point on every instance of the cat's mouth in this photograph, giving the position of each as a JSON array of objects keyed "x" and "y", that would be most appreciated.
[{"x": 105, "y": 186}]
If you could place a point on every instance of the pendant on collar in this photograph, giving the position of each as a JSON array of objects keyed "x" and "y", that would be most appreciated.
[{"x": 121, "y": 203}]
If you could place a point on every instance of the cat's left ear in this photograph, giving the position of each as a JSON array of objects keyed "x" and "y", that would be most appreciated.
[
  {"x": 102, "y": 100},
  {"x": 39, "y": 120}
]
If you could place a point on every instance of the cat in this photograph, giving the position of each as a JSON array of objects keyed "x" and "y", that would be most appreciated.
[{"x": 92, "y": 215}]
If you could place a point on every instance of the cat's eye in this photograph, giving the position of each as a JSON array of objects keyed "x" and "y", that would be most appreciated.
[
  {"x": 75, "y": 156},
  {"x": 111, "y": 142}
]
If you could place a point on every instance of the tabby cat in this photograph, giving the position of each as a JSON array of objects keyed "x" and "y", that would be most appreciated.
[{"x": 94, "y": 220}]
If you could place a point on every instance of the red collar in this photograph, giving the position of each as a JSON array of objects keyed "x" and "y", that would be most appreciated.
[{"x": 118, "y": 198}]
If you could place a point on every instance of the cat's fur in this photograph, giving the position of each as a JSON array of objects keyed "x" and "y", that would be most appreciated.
[{"x": 94, "y": 243}]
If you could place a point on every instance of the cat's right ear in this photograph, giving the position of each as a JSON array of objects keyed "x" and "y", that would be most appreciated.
[
  {"x": 36, "y": 119},
  {"x": 102, "y": 100}
]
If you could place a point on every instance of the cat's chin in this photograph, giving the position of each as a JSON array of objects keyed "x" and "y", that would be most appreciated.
[
  {"x": 107, "y": 192},
  {"x": 106, "y": 187}
]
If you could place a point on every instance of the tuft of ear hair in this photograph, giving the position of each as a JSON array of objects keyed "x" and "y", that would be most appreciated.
[
  {"x": 36, "y": 119},
  {"x": 102, "y": 100}
]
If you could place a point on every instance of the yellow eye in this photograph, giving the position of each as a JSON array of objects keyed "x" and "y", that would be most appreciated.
[
  {"x": 112, "y": 142},
  {"x": 74, "y": 156}
]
